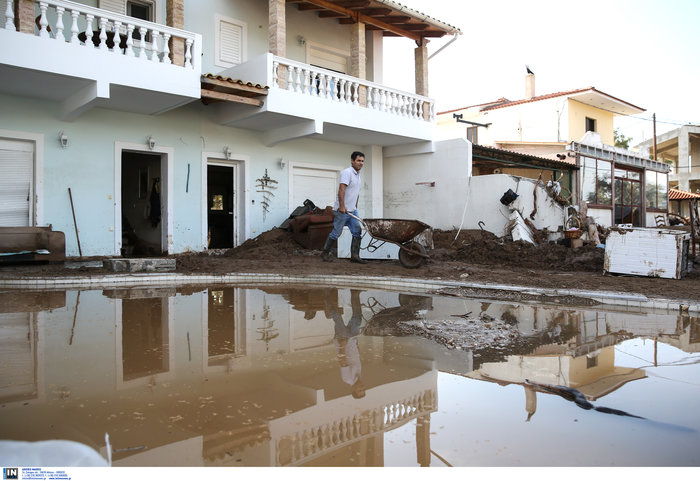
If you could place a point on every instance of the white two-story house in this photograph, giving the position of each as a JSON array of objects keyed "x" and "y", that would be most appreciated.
[{"x": 179, "y": 125}]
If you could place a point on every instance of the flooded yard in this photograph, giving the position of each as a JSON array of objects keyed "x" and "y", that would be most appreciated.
[{"x": 314, "y": 376}]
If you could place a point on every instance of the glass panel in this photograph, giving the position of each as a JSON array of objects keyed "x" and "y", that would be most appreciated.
[
  {"x": 618, "y": 191},
  {"x": 604, "y": 182},
  {"x": 626, "y": 193},
  {"x": 588, "y": 185},
  {"x": 217, "y": 202},
  {"x": 651, "y": 189},
  {"x": 621, "y": 173},
  {"x": 634, "y": 175},
  {"x": 662, "y": 187},
  {"x": 636, "y": 193}
]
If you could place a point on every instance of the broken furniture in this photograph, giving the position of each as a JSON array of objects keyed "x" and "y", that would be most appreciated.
[
  {"x": 311, "y": 229},
  {"x": 32, "y": 244},
  {"x": 652, "y": 252}
]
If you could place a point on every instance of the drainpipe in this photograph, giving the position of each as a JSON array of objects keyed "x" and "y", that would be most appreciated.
[{"x": 454, "y": 37}]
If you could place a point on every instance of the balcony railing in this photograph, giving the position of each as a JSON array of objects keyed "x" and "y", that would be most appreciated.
[
  {"x": 294, "y": 449},
  {"x": 112, "y": 33},
  {"x": 332, "y": 86}
]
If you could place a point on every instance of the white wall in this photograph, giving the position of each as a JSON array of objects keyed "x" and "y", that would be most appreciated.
[
  {"x": 449, "y": 166},
  {"x": 459, "y": 200}
]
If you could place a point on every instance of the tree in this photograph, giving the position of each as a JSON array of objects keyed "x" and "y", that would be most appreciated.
[{"x": 621, "y": 140}]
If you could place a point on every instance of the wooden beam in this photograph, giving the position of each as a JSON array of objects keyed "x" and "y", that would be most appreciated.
[
  {"x": 394, "y": 18},
  {"x": 304, "y": 7},
  {"x": 329, "y": 14},
  {"x": 210, "y": 94},
  {"x": 224, "y": 84},
  {"x": 360, "y": 17},
  {"x": 371, "y": 12}
]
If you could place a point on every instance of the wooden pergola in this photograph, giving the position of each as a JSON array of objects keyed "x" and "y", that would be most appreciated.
[{"x": 392, "y": 18}]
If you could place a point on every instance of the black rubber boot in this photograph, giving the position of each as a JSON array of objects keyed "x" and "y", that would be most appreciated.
[
  {"x": 328, "y": 249},
  {"x": 355, "y": 251}
]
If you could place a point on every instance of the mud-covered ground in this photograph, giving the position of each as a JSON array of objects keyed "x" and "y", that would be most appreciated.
[{"x": 472, "y": 256}]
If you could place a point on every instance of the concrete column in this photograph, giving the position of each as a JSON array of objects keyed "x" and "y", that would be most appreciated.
[
  {"x": 277, "y": 30},
  {"x": 375, "y": 54},
  {"x": 358, "y": 57},
  {"x": 421, "y": 54},
  {"x": 374, "y": 163},
  {"x": 684, "y": 159},
  {"x": 24, "y": 16},
  {"x": 175, "y": 17}
]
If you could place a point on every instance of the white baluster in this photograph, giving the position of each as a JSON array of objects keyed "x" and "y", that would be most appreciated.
[
  {"x": 356, "y": 93},
  {"x": 305, "y": 87},
  {"x": 59, "y": 24},
  {"x": 275, "y": 73},
  {"x": 88, "y": 29},
  {"x": 370, "y": 97},
  {"x": 327, "y": 80},
  {"x": 103, "y": 33},
  {"x": 298, "y": 80},
  {"x": 143, "y": 31},
  {"x": 116, "y": 39},
  {"x": 432, "y": 111},
  {"x": 74, "y": 27},
  {"x": 166, "y": 48},
  {"x": 290, "y": 77},
  {"x": 322, "y": 86},
  {"x": 188, "y": 53},
  {"x": 154, "y": 46},
  {"x": 420, "y": 108},
  {"x": 334, "y": 88},
  {"x": 43, "y": 23},
  {"x": 129, "y": 40},
  {"x": 9, "y": 16}
]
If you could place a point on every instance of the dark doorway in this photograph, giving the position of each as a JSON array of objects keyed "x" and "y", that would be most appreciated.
[
  {"x": 142, "y": 204},
  {"x": 220, "y": 206}
]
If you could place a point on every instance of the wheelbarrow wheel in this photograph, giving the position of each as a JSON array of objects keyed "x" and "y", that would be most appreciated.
[{"x": 410, "y": 260}]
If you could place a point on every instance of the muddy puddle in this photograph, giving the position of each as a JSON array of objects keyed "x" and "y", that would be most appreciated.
[{"x": 280, "y": 376}]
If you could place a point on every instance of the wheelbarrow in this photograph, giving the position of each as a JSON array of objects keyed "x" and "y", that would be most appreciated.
[{"x": 399, "y": 232}]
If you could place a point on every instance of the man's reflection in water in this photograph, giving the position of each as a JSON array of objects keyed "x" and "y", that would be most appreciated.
[{"x": 345, "y": 340}]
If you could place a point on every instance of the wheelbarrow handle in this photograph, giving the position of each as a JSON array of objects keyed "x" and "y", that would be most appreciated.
[{"x": 355, "y": 217}]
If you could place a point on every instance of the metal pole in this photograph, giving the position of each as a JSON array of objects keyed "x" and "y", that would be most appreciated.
[
  {"x": 654, "y": 124},
  {"x": 75, "y": 224}
]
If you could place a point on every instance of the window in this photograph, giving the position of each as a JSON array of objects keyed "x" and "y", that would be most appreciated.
[
  {"x": 231, "y": 41},
  {"x": 590, "y": 124},
  {"x": 596, "y": 181},
  {"x": 472, "y": 135},
  {"x": 142, "y": 11},
  {"x": 656, "y": 190}
]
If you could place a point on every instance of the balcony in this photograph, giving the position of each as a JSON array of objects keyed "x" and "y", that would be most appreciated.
[
  {"x": 308, "y": 101},
  {"x": 72, "y": 58}
]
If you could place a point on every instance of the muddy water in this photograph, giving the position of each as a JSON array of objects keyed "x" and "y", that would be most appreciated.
[{"x": 275, "y": 376}]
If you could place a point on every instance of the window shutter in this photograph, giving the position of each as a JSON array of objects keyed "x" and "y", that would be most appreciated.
[
  {"x": 231, "y": 42},
  {"x": 118, "y": 6}
]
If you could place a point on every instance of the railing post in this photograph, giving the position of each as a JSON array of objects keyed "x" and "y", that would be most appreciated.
[
  {"x": 43, "y": 23},
  {"x": 129, "y": 40},
  {"x": 103, "y": 33},
  {"x": 10, "y": 16},
  {"x": 88, "y": 29},
  {"x": 143, "y": 31},
  {"x": 154, "y": 47},
  {"x": 74, "y": 27},
  {"x": 59, "y": 24},
  {"x": 116, "y": 39}
]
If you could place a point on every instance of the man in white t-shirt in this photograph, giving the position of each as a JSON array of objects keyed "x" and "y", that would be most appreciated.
[{"x": 348, "y": 196}]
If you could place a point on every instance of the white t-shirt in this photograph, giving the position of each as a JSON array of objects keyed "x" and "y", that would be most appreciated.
[{"x": 352, "y": 179}]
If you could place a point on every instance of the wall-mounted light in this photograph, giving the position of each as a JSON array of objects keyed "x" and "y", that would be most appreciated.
[
  {"x": 282, "y": 163},
  {"x": 227, "y": 153},
  {"x": 151, "y": 142},
  {"x": 63, "y": 139},
  {"x": 301, "y": 40}
]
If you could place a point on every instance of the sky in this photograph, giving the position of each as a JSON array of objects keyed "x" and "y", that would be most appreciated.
[{"x": 645, "y": 52}]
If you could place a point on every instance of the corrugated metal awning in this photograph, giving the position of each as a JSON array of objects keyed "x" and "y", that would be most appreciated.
[{"x": 677, "y": 194}]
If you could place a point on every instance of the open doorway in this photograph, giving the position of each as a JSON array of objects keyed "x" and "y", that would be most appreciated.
[
  {"x": 142, "y": 201},
  {"x": 222, "y": 205}
]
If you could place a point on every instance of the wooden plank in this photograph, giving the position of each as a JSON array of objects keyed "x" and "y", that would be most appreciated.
[
  {"x": 211, "y": 94},
  {"x": 233, "y": 86}
]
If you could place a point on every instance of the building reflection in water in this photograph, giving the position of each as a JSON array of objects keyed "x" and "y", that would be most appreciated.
[{"x": 230, "y": 376}]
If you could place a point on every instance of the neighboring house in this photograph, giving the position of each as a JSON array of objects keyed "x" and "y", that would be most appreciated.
[
  {"x": 205, "y": 123},
  {"x": 576, "y": 127},
  {"x": 681, "y": 148}
]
